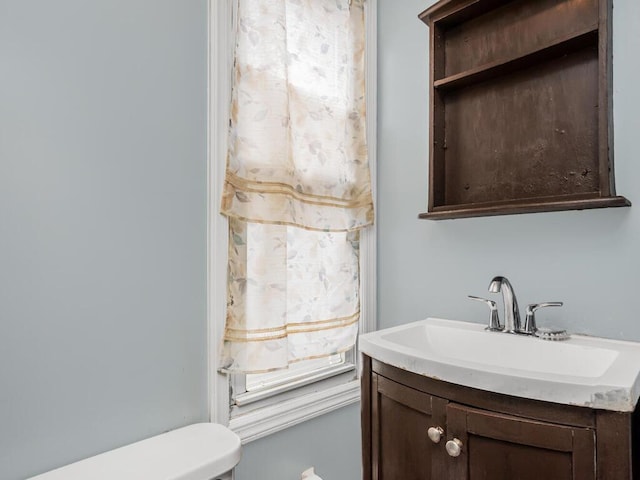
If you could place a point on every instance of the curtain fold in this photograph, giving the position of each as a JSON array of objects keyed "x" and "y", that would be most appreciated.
[{"x": 297, "y": 186}]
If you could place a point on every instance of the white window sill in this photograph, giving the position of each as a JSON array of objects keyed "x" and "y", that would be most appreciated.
[
  {"x": 267, "y": 420},
  {"x": 292, "y": 383}
]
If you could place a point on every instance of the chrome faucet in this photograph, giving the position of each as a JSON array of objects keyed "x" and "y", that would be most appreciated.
[
  {"x": 511, "y": 312},
  {"x": 512, "y": 323}
]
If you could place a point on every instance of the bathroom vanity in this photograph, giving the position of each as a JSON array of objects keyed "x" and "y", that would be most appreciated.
[{"x": 485, "y": 412}]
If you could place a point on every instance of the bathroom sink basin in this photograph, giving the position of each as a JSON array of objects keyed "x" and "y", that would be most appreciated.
[{"x": 585, "y": 371}]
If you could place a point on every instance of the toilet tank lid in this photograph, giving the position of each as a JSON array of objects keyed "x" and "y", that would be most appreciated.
[{"x": 196, "y": 452}]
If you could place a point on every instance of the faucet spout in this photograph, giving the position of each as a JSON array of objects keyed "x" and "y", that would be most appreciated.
[{"x": 511, "y": 312}]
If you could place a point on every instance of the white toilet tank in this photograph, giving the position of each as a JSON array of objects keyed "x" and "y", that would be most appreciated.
[{"x": 203, "y": 451}]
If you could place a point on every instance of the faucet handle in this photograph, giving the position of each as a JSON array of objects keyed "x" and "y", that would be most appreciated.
[
  {"x": 530, "y": 327},
  {"x": 494, "y": 320}
]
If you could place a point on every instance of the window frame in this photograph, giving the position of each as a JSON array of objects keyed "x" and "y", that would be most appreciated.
[
  {"x": 272, "y": 414},
  {"x": 281, "y": 381}
]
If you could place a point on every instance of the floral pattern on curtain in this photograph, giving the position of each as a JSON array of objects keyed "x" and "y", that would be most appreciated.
[{"x": 297, "y": 187}]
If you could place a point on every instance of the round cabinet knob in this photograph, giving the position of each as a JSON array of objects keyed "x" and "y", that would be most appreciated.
[
  {"x": 435, "y": 433},
  {"x": 454, "y": 447}
]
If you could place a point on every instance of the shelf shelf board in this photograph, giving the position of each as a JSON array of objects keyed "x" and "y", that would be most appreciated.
[
  {"x": 523, "y": 206},
  {"x": 558, "y": 47}
]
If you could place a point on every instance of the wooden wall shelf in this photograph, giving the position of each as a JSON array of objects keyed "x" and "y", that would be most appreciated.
[{"x": 520, "y": 107}]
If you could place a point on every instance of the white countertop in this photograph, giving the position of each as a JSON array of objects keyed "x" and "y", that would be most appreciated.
[{"x": 583, "y": 371}]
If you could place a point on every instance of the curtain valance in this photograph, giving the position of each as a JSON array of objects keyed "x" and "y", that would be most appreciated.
[{"x": 297, "y": 146}]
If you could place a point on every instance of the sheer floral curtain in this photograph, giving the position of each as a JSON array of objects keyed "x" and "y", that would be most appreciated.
[{"x": 297, "y": 188}]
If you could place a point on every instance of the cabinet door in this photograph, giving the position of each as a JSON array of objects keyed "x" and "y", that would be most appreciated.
[
  {"x": 503, "y": 447},
  {"x": 401, "y": 418}
]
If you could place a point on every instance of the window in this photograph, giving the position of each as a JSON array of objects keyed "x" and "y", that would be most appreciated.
[
  {"x": 263, "y": 403},
  {"x": 255, "y": 386}
]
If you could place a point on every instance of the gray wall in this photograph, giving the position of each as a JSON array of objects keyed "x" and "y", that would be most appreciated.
[
  {"x": 102, "y": 225},
  {"x": 103, "y": 228},
  {"x": 588, "y": 259},
  {"x": 330, "y": 443}
]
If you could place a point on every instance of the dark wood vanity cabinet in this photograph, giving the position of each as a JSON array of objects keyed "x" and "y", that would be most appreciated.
[
  {"x": 508, "y": 447},
  {"x": 400, "y": 418},
  {"x": 499, "y": 437}
]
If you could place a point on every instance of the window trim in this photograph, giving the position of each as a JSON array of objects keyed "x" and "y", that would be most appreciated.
[{"x": 311, "y": 402}]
